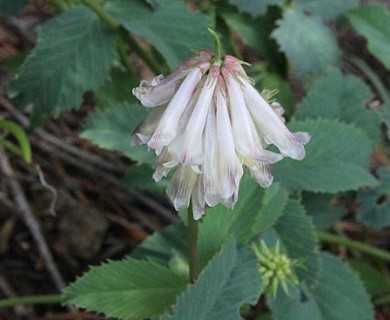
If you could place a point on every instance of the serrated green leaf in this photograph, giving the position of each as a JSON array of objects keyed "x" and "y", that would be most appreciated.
[
  {"x": 161, "y": 246},
  {"x": 374, "y": 209},
  {"x": 327, "y": 10},
  {"x": 347, "y": 102},
  {"x": 295, "y": 224},
  {"x": 377, "y": 283},
  {"x": 140, "y": 177},
  {"x": 254, "y": 7},
  {"x": 127, "y": 289},
  {"x": 294, "y": 305},
  {"x": 11, "y": 7},
  {"x": 61, "y": 69},
  {"x": 256, "y": 210},
  {"x": 112, "y": 129},
  {"x": 298, "y": 32},
  {"x": 337, "y": 159},
  {"x": 373, "y": 22},
  {"x": 339, "y": 295},
  {"x": 229, "y": 280},
  {"x": 116, "y": 89},
  {"x": 165, "y": 27},
  {"x": 321, "y": 208},
  {"x": 255, "y": 32}
]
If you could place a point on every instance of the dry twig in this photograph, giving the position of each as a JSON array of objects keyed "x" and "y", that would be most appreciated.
[{"x": 29, "y": 219}]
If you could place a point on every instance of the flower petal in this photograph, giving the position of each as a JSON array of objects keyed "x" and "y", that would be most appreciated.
[
  {"x": 157, "y": 91},
  {"x": 245, "y": 135},
  {"x": 211, "y": 181},
  {"x": 144, "y": 131},
  {"x": 160, "y": 89},
  {"x": 166, "y": 129},
  {"x": 188, "y": 147},
  {"x": 198, "y": 201},
  {"x": 181, "y": 186},
  {"x": 262, "y": 174},
  {"x": 271, "y": 125},
  {"x": 230, "y": 168},
  {"x": 164, "y": 164}
]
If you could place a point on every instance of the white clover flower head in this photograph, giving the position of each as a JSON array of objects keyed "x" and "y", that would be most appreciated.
[{"x": 209, "y": 124}]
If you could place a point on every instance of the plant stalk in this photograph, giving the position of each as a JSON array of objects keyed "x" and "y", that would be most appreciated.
[
  {"x": 193, "y": 246},
  {"x": 373, "y": 78},
  {"x": 124, "y": 34},
  {"x": 29, "y": 300},
  {"x": 356, "y": 245},
  {"x": 217, "y": 43}
]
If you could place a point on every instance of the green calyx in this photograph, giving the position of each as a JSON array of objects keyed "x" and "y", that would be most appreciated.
[
  {"x": 217, "y": 42},
  {"x": 275, "y": 267}
]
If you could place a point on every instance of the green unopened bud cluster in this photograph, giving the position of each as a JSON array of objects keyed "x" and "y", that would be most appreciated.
[{"x": 275, "y": 267}]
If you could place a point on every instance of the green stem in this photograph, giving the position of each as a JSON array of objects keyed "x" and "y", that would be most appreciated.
[
  {"x": 29, "y": 300},
  {"x": 213, "y": 15},
  {"x": 122, "y": 51},
  {"x": 11, "y": 147},
  {"x": 217, "y": 41},
  {"x": 102, "y": 13},
  {"x": 124, "y": 34},
  {"x": 373, "y": 77},
  {"x": 356, "y": 245},
  {"x": 143, "y": 54},
  {"x": 193, "y": 246}
]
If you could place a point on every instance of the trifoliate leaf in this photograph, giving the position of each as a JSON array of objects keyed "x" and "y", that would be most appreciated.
[
  {"x": 298, "y": 32},
  {"x": 162, "y": 246},
  {"x": 254, "y": 7},
  {"x": 295, "y": 224},
  {"x": 322, "y": 209},
  {"x": 140, "y": 177},
  {"x": 294, "y": 305},
  {"x": 327, "y": 10},
  {"x": 116, "y": 89},
  {"x": 112, "y": 130},
  {"x": 374, "y": 209},
  {"x": 62, "y": 68},
  {"x": 373, "y": 22},
  {"x": 347, "y": 102},
  {"x": 254, "y": 32},
  {"x": 339, "y": 295},
  {"x": 376, "y": 282},
  {"x": 127, "y": 289},
  {"x": 165, "y": 27},
  {"x": 228, "y": 281},
  {"x": 337, "y": 159}
]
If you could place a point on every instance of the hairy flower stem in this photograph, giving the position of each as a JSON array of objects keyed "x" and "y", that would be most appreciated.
[{"x": 193, "y": 246}]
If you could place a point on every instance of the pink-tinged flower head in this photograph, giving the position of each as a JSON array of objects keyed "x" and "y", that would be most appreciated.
[{"x": 208, "y": 124}]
